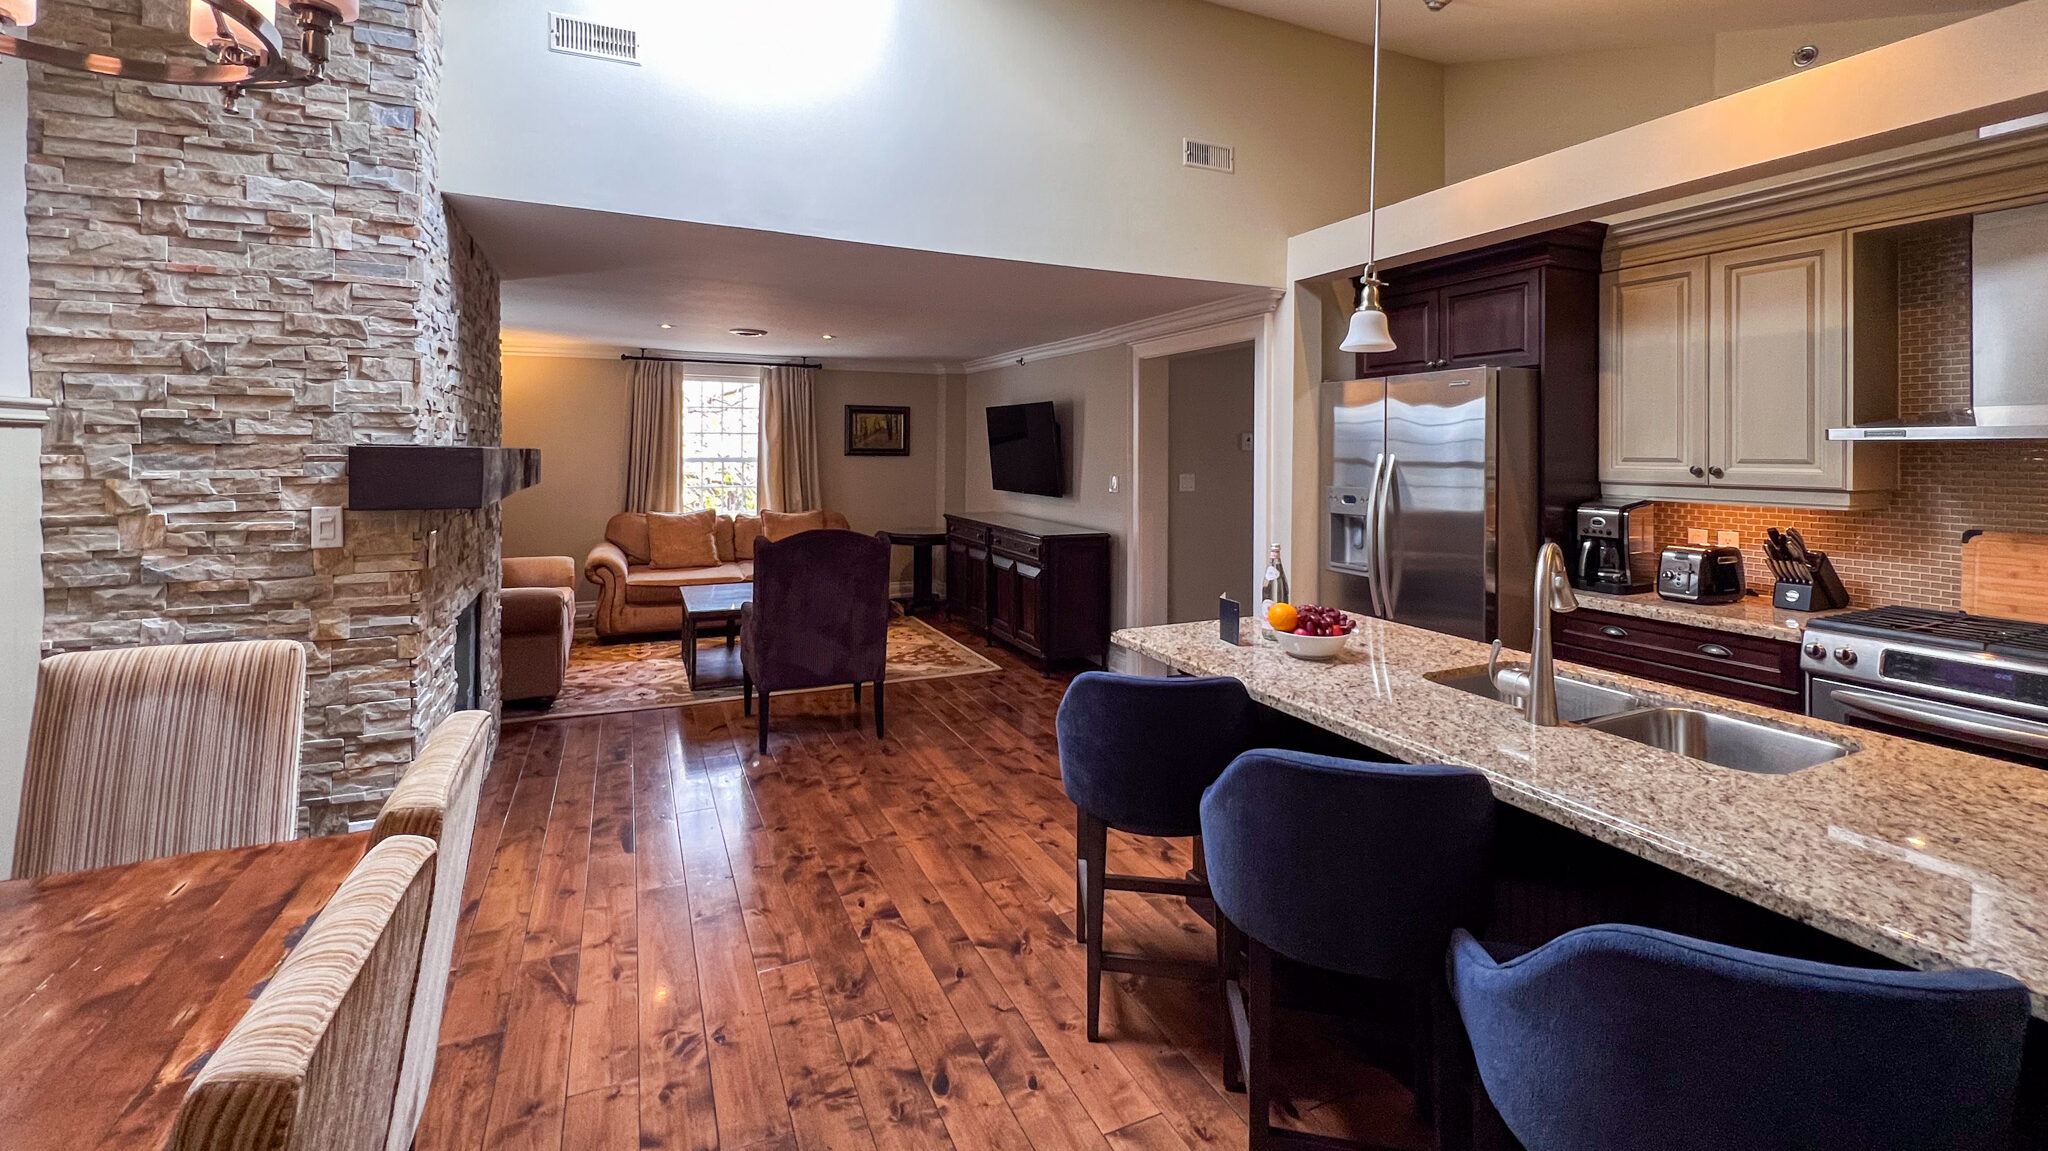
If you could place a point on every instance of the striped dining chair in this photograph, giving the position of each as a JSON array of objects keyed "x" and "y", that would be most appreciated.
[
  {"x": 314, "y": 1063},
  {"x": 437, "y": 799},
  {"x": 141, "y": 752}
]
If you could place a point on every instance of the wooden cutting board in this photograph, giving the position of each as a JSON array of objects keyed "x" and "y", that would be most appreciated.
[{"x": 2005, "y": 574}]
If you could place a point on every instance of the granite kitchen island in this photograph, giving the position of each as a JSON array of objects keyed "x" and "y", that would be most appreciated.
[{"x": 1924, "y": 856}]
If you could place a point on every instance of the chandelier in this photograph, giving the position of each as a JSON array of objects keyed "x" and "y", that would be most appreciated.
[{"x": 241, "y": 38}]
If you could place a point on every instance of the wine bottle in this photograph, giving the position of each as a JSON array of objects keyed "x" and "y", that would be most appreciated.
[{"x": 1273, "y": 591}]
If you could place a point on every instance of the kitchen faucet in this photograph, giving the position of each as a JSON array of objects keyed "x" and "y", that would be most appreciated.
[{"x": 1537, "y": 683}]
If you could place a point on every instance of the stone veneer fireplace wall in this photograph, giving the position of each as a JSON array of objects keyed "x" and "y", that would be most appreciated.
[{"x": 222, "y": 304}]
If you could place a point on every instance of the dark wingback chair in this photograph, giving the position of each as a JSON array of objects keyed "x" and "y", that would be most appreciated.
[
  {"x": 1361, "y": 868},
  {"x": 1615, "y": 1037},
  {"x": 820, "y": 617},
  {"x": 1135, "y": 755}
]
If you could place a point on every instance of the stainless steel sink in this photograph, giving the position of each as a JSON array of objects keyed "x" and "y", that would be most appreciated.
[
  {"x": 1577, "y": 701},
  {"x": 1724, "y": 740}
]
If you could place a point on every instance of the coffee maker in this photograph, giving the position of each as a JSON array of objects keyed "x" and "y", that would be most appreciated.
[{"x": 1616, "y": 549}]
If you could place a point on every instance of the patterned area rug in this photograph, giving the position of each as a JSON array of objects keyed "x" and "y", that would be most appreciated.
[{"x": 606, "y": 678}]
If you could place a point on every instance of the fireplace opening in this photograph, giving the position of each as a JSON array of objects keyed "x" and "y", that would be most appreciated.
[{"x": 469, "y": 658}]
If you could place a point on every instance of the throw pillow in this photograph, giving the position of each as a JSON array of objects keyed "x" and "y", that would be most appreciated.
[
  {"x": 744, "y": 529},
  {"x": 629, "y": 531},
  {"x": 782, "y": 525},
  {"x": 727, "y": 547},
  {"x": 683, "y": 541}
]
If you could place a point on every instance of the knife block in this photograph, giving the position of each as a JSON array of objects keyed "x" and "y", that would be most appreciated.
[{"x": 1824, "y": 593}]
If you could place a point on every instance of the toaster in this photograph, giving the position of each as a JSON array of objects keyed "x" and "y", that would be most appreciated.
[{"x": 1701, "y": 575}]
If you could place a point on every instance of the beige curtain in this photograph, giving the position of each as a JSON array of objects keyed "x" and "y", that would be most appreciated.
[
  {"x": 789, "y": 437},
  {"x": 654, "y": 438}
]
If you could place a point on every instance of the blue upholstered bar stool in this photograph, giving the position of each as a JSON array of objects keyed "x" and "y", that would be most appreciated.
[
  {"x": 1617, "y": 1038},
  {"x": 1361, "y": 868},
  {"x": 1135, "y": 754}
]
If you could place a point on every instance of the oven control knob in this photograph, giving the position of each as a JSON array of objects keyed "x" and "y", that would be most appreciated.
[
  {"x": 1846, "y": 656},
  {"x": 1817, "y": 651}
]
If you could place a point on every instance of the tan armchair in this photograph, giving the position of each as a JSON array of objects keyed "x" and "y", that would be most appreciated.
[
  {"x": 136, "y": 753},
  {"x": 314, "y": 1062},
  {"x": 437, "y": 799},
  {"x": 538, "y": 626}
]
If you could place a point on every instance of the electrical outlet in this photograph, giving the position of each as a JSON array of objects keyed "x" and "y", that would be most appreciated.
[
  {"x": 1697, "y": 537},
  {"x": 1187, "y": 481},
  {"x": 326, "y": 527},
  {"x": 433, "y": 547},
  {"x": 1244, "y": 442},
  {"x": 1112, "y": 483},
  {"x": 1729, "y": 539}
]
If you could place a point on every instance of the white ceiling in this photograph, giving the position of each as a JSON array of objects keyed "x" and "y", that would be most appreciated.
[
  {"x": 594, "y": 279},
  {"x": 1469, "y": 30}
]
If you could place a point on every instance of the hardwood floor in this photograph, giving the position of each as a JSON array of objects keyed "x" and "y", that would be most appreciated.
[{"x": 847, "y": 944}]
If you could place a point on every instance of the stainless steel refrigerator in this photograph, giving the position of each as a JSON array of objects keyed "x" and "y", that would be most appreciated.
[{"x": 1432, "y": 484}]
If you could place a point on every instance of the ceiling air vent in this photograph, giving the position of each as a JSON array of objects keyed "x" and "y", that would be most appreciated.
[
  {"x": 580, "y": 37},
  {"x": 1213, "y": 157}
]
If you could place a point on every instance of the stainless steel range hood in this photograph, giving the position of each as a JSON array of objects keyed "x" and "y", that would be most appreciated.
[{"x": 2009, "y": 339}]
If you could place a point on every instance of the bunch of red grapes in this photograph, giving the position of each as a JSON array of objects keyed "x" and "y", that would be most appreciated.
[{"x": 1312, "y": 620}]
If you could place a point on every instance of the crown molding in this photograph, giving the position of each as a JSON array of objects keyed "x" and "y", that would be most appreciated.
[
  {"x": 24, "y": 411},
  {"x": 560, "y": 351},
  {"x": 1258, "y": 303},
  {"x": 895, "y": 367}
]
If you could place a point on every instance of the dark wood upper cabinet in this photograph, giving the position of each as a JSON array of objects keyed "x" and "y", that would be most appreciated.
[
  {"x": 1413, "y": 321},
  {"x": 1494, "y": 321},
  {"x": 1495, "y": 307}
]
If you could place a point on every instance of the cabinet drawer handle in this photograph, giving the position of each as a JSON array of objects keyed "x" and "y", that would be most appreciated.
[
  {"x": 1716, "y": 651},
  {"x": 1612, "y": 632}
]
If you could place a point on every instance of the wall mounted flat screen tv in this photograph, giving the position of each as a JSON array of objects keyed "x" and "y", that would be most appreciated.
[{"x": 1024, "y": 450}]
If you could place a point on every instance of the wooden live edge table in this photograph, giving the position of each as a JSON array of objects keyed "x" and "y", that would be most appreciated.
[{"x": 116, "y": 984}]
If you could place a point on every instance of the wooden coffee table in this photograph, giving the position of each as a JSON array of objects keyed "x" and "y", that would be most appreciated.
[{"x": 718, "y": 601}]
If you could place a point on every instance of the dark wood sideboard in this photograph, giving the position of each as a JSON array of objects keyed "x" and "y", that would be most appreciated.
[{"x": 1040, "y": 587}]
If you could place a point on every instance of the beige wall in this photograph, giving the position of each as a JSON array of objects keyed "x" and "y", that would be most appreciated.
[
  {"x": 1092, "y": 393},
  {"x": 1504, "y": 111},
  {"x": 1209, "y": 407},
  {"x": 1018, "y": 129},
  {"x": 880, "y": 492},
  {"x": 574, "y": 411},
  {"x": 1501, "y": 112}
]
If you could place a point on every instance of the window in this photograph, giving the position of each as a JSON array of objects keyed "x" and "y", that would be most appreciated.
[{"x": 722, "y": 442}]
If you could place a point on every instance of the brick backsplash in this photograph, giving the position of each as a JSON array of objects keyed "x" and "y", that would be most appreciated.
[{"x": 1910, "y": 551}]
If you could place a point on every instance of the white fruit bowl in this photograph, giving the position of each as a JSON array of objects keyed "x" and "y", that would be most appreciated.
[{"x": 1311, "y": 646}]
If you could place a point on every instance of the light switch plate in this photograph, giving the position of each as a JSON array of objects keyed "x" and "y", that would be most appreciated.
[
  {"x": 326, "y": 527},
  {"x": 1187, "y": 481},
  {"x": 1244, "y": 442},
  {"x": 1729, "y": 539},
  {"x": 1697, "y": 537},
  {"x": 1112, "y": 483}
]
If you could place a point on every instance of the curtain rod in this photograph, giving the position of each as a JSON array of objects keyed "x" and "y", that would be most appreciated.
[{"x": 727, "y": 363}]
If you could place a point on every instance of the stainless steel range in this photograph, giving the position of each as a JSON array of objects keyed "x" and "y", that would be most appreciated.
[{"x": 1972, "y": 682}]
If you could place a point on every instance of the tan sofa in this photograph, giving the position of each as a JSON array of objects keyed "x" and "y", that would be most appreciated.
[
  {"x": 539, "y": 624},
  {"x": 636, "y": 598}
]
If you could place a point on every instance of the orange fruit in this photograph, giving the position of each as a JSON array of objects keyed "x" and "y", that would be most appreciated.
[{"x": 1282, "y": 616}]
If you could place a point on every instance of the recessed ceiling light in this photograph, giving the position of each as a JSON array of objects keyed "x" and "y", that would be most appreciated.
[
  {"x": 750, "y": 333},
  {"x": 826, "y": 336},
  {"x": 666, "y": 327}
]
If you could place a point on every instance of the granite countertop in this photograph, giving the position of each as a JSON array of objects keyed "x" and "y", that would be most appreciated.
[
  {"x": 1750, "y": 615},
  {"x": 1932, "y": 857}
]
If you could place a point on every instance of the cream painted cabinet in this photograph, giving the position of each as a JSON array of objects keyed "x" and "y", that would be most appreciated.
[
  {"x": 1777, "y": 365},
  {"x": 1721, "y": 375},
  {"x": 1653, "y": 374}
]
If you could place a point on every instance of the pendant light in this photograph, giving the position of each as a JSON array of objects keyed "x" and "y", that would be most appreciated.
[
  {"x": 245, "y": 47},
  {"x": 1369, "y": 331}
]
